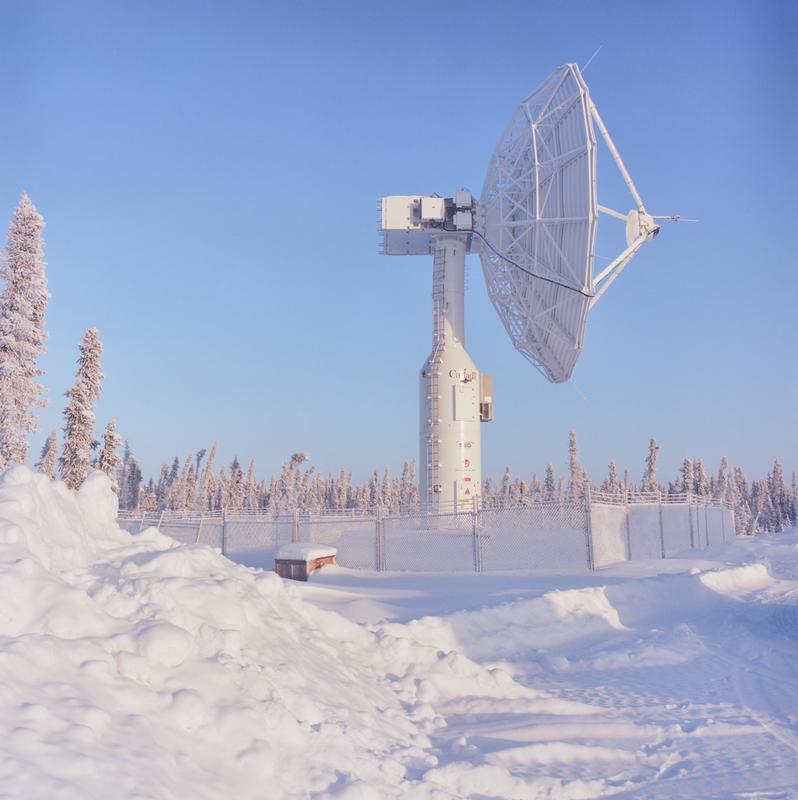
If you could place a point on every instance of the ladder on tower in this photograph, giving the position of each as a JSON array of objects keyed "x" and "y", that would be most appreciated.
[{"x": 433, "y": 374}]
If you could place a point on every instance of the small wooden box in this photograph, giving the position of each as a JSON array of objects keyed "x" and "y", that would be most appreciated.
[{"x": 298, "y": 561}]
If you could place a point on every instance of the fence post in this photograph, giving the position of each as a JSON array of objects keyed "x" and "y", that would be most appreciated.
[
  {"x": 706, "y": 522},
  {"x": 224, "y": 529},
  {"x": 199, "y": 529},
  {"x": 475, "y": 536},
  {"x": 628, "y": 525},
  {"x": 690, "y": 516},
  {"x": 591, "y": 563},
  {"x": 661, "y": 529},
  {"x": 295, "y": 526},
  {"x": 722, "y": 521},
  {"x": 141, "y": 523},
  {"x": 379, "y": 541}
]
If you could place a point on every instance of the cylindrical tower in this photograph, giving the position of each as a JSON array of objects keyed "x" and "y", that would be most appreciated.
[{"x": 450, "y": 473}]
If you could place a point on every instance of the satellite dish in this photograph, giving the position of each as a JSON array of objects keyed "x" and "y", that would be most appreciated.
[{"x": 534, "y": 228}]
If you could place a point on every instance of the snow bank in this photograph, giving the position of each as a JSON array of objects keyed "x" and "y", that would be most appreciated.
[
  {"x": 738, "y": 581},
  {"x": 135, "y": 667},
  {"x": 548, "y": 622}
]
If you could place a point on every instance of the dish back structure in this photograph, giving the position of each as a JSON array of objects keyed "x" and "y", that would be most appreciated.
[{"x": 539, "y": 213}]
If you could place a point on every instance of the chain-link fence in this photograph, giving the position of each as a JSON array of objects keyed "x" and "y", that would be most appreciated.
[{"x": 550, "y": 535}]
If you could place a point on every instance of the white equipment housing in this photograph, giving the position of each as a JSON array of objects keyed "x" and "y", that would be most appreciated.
[{"x": 535, "y": 231}]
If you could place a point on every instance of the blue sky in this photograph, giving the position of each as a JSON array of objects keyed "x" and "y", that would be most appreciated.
[{"x": 209, "y": 175}]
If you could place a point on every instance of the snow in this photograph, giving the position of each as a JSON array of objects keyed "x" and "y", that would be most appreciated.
[
  {"x": 301, "y": 551},
  {"x": 137, "y": 667}
]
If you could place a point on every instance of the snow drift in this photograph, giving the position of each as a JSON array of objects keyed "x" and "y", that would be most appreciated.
[{"x": 135, "y": 667}]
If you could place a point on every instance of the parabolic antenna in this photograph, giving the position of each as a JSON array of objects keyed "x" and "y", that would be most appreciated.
[
  {"x": 535, "y": 230},
  {"x": 538, "y": 220}
]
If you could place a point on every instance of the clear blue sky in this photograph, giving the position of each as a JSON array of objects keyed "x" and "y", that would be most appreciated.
[{"x": 209, "y": 175}]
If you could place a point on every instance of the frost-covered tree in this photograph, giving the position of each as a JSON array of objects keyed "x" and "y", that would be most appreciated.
[
  {"x": 121, "y": 478},
  {"x": 22, "y": 336},
  {"x": 506, "y": 487},
  {"x": 688, "y": 478},
  {"x": 131, "y": 489},
  {"x": 75, "y": 460},
  {"x": 700, "y": 479},
  {"x": 342, "y": 488},
  {"x": 207, "y": 486},
  {"x": 109, "y": 460},
  {"x": 49, "y": 456},
  {"x": 778, "y": 497},
  {"x": 612, "y": 483},
  {"x": 650, "y": 482},
  {"x": 222, "y": 490},
  {"x": 162, "y": 488},
  {"x": 577, "y": 481},
  {"x": 147, "y": 500},
  {"x": 407, "y": 489},
  {"x": 549, "y": 484},
  {"x": 724, "y": 479},
  {"x": 190, "y": 486},
  {"x": 236, "y": 490},
  {"x": 762, "y": 507},
  {"x": 743, "y": 515},
  {"x": 251, "y": 491},
  {"x": 535, "y": 488}
]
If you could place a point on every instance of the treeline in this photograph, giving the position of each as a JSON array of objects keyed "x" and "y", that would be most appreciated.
[
  {"x": 198, "y": 485},
  {"x": 763, "y": 504}
]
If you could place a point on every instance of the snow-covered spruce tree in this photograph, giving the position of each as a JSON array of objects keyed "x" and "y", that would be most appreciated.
[
  {"x": 109, "y": 460},
  {"x": 724, "y": 480},
  {"x": 549, "y": 485},
  {"x": 743, "y": 516},
  {"x": 251, "y": 492},
  {"x": 162, "y": 488},
  {"x": 761, "y": 507},
  {"x": 535, "y": 488},
  {"x": 22, "y": 335},
  {"x": 612, "y": 483},
  {"x": 207, "y": 486},
  {"x": 688, "y": 478},
  {"x": 650, "y": 482},
  {"x": 222, "y": 490},
  {"x": 48, "y": 459},
  {"x": 75, "y": 460},
  {"x": 577, "y": 481},
  {"x": 700, "y": 479},
  {"x": 505, "y": 499},
  {"x": 236, "y": 487},
  {"x": 147, "y": 499},
  {"x": 132, "y": 485},
  {"x": 794, "y": 499},
  {"x": 122, "y": 477},
  {"x": 190, "y": 489},
  {"x": 778, "y": 496}
]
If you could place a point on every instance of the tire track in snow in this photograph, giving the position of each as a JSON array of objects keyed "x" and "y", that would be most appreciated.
[{"x": 757, "y": 685}]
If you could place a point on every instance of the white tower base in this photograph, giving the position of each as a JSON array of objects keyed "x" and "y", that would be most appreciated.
[{"x": 450, "y": 463}]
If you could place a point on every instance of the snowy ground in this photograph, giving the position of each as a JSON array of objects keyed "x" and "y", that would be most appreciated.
[
  {"x": 687, "y": 670},
  {"x": 133, "y": 667}
]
